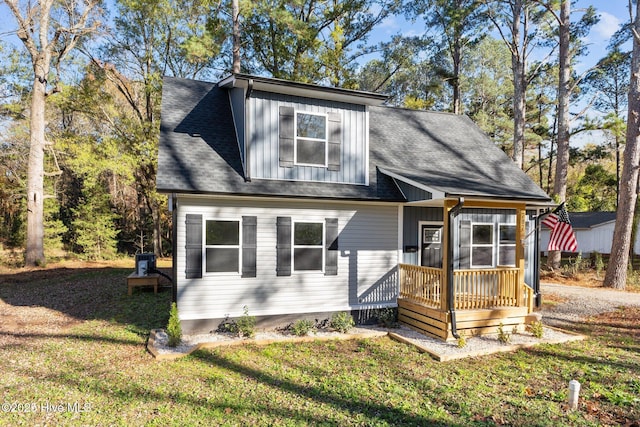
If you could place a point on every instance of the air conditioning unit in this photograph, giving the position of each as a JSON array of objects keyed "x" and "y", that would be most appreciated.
[{"x": 145, "y": 263}]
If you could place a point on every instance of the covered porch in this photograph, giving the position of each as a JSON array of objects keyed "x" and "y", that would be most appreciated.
[{"x": 471, "y": 267}]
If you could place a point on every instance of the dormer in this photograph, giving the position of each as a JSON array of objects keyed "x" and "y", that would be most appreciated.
[{"x": 301, "y": 132}]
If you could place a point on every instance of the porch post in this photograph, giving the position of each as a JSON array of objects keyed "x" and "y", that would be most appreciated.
[{"x": 520, "y": 236}]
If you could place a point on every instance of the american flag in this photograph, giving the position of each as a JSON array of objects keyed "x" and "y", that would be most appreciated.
[{"x": 562, "y": 236}]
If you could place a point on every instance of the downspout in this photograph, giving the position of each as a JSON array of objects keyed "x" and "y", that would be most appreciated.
[
  {"x": 536, "y": 261},
  {"x": 174, "y": 246},
  {"x": 247, "y": 139},
  {"x": 450, "y": 298}
]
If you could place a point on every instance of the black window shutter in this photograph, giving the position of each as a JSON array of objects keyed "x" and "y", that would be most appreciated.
[
  {"x": 193, "y": 246},
  {"x": 464, "y": 256},
  {"x": 331, "y": 250},
  {"x": 335, "y": 141},
  {"x": 249, "y": 238},
  {"x": 286, "y": 134},
  {"x": 283, "y": 246}
]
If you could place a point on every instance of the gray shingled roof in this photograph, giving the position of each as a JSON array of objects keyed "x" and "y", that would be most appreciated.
[
  {"x": 198, "y": 153},
  {"x": 446, "y": 152},
  {"x": 590, "y": 219}
]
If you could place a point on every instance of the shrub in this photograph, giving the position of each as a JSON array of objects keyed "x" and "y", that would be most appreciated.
[
  {"x": 174, "y": 330},
  {"x": 503, "y": 337},
  {"x": 342, "y": 322},
  {"x": 246, "y": 324},
  {"x": 462, "y": 341},
  {"x": 535, "y": 328},
  {"x": 598, "y": 263},
  {"x": 388, "y": 317},
  {"x": 302, "y": 327}
]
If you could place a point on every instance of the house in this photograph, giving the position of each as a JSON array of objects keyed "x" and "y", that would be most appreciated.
[
  {"x": 594, "y": 232},
  {"x": 299, "y": 201}
]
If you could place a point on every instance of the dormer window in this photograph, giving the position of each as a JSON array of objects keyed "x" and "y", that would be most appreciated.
[{"x": 311, "y": 139}]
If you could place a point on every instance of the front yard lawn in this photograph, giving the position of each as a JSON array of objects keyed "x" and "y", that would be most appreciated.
[{"x": 72, "y": 348}]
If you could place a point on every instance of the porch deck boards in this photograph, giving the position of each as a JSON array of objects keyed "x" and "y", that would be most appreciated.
[{"x": 437, "y": 323}]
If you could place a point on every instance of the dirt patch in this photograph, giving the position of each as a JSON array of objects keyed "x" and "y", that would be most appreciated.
[{"x": 585, "y": 279}]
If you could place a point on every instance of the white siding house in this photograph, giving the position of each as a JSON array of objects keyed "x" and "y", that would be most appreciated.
[{"x": 299, "y": 201}]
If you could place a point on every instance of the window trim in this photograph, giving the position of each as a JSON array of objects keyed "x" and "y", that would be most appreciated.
[
  {"x": 294, "y": 246},
  {"x": 499, "y": 244},
  {"x": 491, "y": 245},
  {"x": 325, "y": 140},
  {"x": 205, "y": 246}
]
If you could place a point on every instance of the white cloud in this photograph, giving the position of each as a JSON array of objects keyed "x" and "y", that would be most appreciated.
[{"x": 608, "y": 25}]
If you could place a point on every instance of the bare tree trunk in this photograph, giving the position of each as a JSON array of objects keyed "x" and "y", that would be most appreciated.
[
  {"x": 616, "y": 276},
  {"x": 236, "y": 35},
  {"x": 457, "y": 54},
  {"x": 518, "y": 66},
  {"x": 34, "y": 254},
  {"x": 562, "y": 157}
]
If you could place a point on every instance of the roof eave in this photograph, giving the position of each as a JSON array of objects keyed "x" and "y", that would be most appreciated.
[{"x": 303, "y": 89}]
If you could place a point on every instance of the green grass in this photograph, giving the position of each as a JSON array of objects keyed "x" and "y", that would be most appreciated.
[{"x": 100, "y": 364}]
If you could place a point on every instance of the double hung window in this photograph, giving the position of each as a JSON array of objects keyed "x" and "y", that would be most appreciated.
[
  {"x": 308, "y": 246},
  {"x": 222, "y": 246},
  {"x": 482, "y": 245},
  {"x": 507, "y": 245},
  {"x": 311, "y": 139}
]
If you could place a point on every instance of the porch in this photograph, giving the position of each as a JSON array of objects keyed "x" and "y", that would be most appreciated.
[{"x": 481, "y": 299}]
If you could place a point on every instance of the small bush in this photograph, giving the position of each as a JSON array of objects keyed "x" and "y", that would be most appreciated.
[
  {"x": 342, "y": 322},
  {"x": 302, "y": 327},
  {"x": 174, "y": 330},
  {"x": 462, "y": 341},
  {"x": 535, "y": 328},
  {"x": 388, "y": 317},
  {"x": 246, "y": 324},
  {"x": 503, "y": 337},
  {"x": 598, "y": 263}
]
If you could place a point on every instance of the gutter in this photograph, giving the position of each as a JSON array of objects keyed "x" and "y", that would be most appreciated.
[
  {"x": 247, "y": 139},
  {"x": 451, "y": 306}
]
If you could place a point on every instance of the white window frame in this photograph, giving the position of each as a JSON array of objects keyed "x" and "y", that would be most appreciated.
[
  {"x": 294, "y": 246},
  {"x": 499, "y": 245},
  {"x": 325, "y": 140},
  {"x": 491, "y": 245},
  {"x": 205, "y": 247}
]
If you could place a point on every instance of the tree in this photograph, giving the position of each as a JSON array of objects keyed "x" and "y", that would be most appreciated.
[
  {"x": 488, "y": 90},
  {"x": 569, "y": 47},
  {"x": 151, "y": 39},
  {"x": 49, "y": 30},
  {"x": 409, "y": 80},
  {"x": 307, "y": 40},
  {"x": 461, "y": 24},
  {"x": 616, "y": 275},
  {"x": 516, "y": 22},
  {"x": 609, "y": 82}
]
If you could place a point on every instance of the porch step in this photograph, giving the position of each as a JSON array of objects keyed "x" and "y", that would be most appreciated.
[{"x": 437, "y": 323}]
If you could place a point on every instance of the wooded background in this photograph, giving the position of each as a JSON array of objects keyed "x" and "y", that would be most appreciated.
[{"x": 507, "y": 64}]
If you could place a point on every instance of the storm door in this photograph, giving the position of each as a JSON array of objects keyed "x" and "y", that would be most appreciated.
[{"x": 431, "y": 245}]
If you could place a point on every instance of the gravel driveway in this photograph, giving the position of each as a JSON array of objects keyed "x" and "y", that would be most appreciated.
[{"x": 582, "y": 303}]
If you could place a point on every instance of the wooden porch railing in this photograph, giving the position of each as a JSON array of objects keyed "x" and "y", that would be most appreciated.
[
  {"x": 473, "y": 289},
  {"x": 421, "y": 284}
]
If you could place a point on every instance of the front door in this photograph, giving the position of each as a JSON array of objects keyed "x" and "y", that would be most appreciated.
[{"x": 431, "y": 245}]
